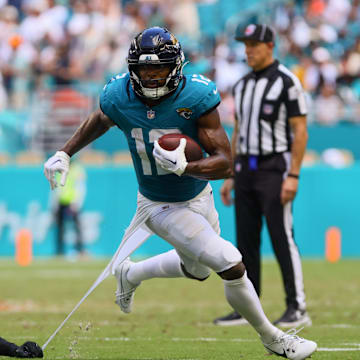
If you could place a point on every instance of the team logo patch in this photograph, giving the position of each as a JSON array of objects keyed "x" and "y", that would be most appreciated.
[
  {"x": 184, "y": 112},
  {"x": 268, "y": 109},
  {"x": 250, "y": 29},
  {"x": 151, "y": 114}
]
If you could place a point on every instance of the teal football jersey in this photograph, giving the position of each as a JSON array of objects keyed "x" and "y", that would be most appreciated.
[{"x": 142, "y": 125}]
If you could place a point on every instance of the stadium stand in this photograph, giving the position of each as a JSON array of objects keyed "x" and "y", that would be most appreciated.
[
  {"x": 29, "y": 158},
  {"x": 121, "y": 158},
  {"x": 57, "y": 54},
  {"x": 93, "y": 158},
  {"x": 4, "y": 159}
]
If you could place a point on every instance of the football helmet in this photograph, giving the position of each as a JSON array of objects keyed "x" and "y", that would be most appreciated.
[{"x": 155, "y": 46}]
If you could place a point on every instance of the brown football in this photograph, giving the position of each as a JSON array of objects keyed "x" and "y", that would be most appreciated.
[{"x": 193, "y": 150}]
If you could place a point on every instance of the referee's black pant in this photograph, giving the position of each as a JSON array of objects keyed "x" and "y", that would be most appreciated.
[{"x": 257, "y": 194}]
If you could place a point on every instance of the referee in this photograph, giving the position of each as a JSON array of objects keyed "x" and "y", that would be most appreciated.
[{"x": 269, "y": 141}]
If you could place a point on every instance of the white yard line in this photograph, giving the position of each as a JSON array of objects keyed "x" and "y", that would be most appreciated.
[
  {"x": 338, "y": 349},
  {"x": 339, "y": 326},
  {"x": 175, "y": 339}
]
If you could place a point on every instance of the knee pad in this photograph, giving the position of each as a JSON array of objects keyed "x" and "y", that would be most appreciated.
[{"x": 220, "y": 255}]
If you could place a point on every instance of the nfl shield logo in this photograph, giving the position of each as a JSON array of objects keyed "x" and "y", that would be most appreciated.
[
  {"x": 151, "y": 114},
  {"x": 250, "y": 29},
  {"x": 268, "y": 109}
]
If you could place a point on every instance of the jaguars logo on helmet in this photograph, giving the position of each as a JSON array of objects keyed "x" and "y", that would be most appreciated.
[{"x": 155, "y": 46}]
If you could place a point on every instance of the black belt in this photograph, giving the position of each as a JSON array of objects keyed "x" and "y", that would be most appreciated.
[{"x": 253, "y": 160}]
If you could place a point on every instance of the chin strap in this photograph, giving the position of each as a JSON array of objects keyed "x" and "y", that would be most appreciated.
[{"x": 183, "y": 65}]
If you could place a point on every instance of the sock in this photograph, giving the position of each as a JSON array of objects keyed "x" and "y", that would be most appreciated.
[
  {"x": 166, "y": 265},
  {"x": 242, "y": 296}
]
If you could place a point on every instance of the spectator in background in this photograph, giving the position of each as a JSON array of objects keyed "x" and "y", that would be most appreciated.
[
  {"x": 184, "y": 18},
  {"x": 63, "y": 66},
  {"x": 329, "y": 108},
  {"x": 227, "y": 69},
  {"x": 69, "y": 200},
  {"x": 16, "y": 59},
  {"x": 308, "y": 73},
  {"x": 327, "y": 69},
  {"x": 3, "y": 95}
]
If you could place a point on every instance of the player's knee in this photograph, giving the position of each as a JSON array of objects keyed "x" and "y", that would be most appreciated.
[
  {"x": 219, "y": 254},
  {"x": 233, "y": 273},
  {"x": 196, "y": 275}
]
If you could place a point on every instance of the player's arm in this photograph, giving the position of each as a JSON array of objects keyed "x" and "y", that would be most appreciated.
[
  {"x": 290, "y": 184},
  {"x": 234, "y": 138},
  {"x": 213, "y": 138},
  {"x": 228, "y": 185},
  {"x": 299, "y": 128},
  {"x": 93, "y": 127}
]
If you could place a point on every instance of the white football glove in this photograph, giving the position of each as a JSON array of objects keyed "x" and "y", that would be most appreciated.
[
  {"x": 60, "y": 162},
  {"x": 174, "y": 161}
]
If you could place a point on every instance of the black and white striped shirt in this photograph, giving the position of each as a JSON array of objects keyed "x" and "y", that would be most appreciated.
[{"x": 264, "y": 102}]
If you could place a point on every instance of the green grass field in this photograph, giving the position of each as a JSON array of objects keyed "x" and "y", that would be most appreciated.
[{"x": 171, "y": 317}]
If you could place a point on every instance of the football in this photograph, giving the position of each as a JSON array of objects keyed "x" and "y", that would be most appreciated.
[{"x": 193, "y": 150}]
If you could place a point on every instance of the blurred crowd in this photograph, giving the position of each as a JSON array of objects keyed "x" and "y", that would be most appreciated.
[
  {"x": 321, "y": 43},
  {"x": 47, "y": 43},
  {"x": 319, "y": 40}
]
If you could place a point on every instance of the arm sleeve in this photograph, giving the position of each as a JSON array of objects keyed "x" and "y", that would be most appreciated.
[
  {"x": 236, "y": 94},
  {"x": 7, "y": 348},
  {"x": 107, "y": 105},
  {"x": 295, "y": 100},
  {"x": 209, "y": 99},
  {"x": 105, "y": 101}
]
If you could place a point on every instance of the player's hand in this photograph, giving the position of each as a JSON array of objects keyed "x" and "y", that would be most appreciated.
[
  {"x": 174, "y": 161},
  {"x": 225, "y": 191},
  {"x": 29, "y": 350},
  {"x": 60, "y": 162},
  {"x": 288, "y": 190}
]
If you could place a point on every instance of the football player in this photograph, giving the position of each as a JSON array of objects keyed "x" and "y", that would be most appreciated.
[
  {"x": 175, "y": 199},
  {"x": 27, "y": 350}
]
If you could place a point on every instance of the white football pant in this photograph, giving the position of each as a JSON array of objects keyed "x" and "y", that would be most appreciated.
[{"x": 192, "y": 228}]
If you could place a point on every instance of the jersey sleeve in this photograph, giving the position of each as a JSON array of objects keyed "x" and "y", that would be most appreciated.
[
  {"x": 295, "y": 100},
  {"x": 106, "y": 105},
  {"x": 112, "y": 97},
  {"x": 208, "y": 94}
]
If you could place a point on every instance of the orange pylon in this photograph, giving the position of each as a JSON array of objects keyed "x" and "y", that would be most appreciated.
[
  {"x": 23, "y": 245},
  {"x": 333, "y": 244}
]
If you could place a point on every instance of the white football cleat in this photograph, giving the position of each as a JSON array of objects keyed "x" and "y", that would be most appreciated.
[
  {"x": 125, "y": 290},
  {"x": 291, "y": 346}
]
